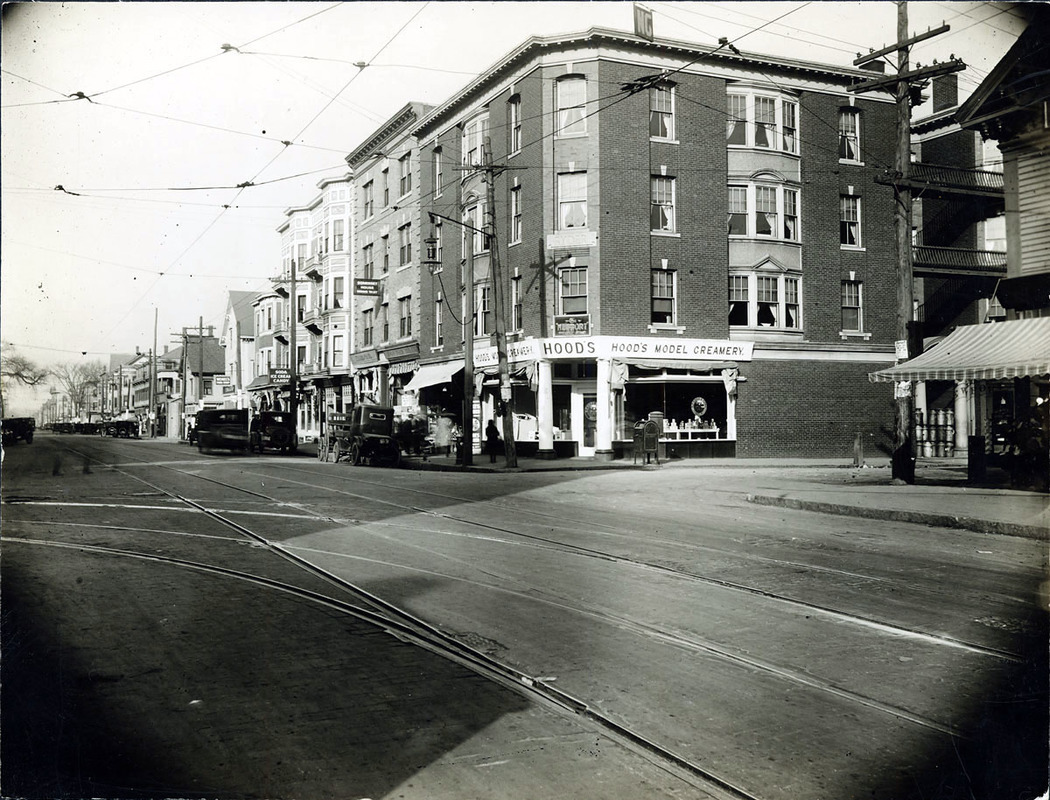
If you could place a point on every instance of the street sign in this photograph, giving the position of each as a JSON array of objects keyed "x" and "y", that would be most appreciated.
[{"x": 367, "y": 287}]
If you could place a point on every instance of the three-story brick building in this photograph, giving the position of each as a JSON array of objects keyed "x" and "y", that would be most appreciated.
[{"x": 680, "y": 233}]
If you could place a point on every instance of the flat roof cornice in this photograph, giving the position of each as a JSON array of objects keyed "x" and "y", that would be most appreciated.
[{"x": 536, "y": 46}]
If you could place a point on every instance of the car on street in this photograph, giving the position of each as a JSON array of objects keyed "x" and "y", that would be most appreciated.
[
  {"x": 222, "y": 428},
  {"x": 272, "y": 430}
]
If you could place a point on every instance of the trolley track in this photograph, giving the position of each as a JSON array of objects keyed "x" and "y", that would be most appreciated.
[
  {"x": 547, "y": 543},
  {"x": 401, "y": 623}
]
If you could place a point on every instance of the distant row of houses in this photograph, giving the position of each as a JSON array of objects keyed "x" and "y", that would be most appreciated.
[{"x": 702, "y": 236}]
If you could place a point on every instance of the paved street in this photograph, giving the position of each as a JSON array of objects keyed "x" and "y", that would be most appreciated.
[{"x": 598, "y": 633}]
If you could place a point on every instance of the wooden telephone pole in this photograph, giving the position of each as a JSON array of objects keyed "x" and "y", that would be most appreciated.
[{"x": 906, "y": 82}]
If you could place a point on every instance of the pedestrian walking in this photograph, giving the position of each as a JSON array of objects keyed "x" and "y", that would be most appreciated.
[{"x": 492, "y": 440}]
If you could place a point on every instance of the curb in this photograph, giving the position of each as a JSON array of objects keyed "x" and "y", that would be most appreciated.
[{"x": 974, "y": 524}]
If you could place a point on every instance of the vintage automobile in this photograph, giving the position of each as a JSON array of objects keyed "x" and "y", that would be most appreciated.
[
  {"x": 222, "y": 428},
  {"x": 15, "y": 428},
  {"x": 121, "y": 428},
  {"x": 365, "y": 434},
  {"x": 272, "y": 430}
]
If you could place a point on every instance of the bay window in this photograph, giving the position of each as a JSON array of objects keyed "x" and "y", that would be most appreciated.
[
  {"x": 765, "y": 298},
  {"x": 474, "y": 133},
  {"x": 762, "y": 120},
  {"x": 763, "y": 211}
]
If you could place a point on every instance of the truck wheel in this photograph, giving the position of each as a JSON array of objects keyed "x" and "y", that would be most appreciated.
[
  {"x": 29, "y": 438},
  {"x": 355, "y": 455}
]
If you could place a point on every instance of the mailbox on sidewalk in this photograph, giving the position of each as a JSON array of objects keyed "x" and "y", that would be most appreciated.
[{"x": 647, "y": 440}]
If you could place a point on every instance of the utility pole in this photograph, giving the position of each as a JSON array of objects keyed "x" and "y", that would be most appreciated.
[
  {"x": 506, "y": 391},
  {"x": 184, "y": 364},
  {"x": 153, "y": 381},
  {"x": 293, "y": 318},
  {"x": 903, "y": 469}
]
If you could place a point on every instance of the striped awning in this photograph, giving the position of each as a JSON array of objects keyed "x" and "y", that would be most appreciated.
[{"x": 998, "y": 350}]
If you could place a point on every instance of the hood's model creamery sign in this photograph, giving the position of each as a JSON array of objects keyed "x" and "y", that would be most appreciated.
[{"x": 619, "y": 347}]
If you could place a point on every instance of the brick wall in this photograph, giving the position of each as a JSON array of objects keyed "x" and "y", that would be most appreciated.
[
  {"x": 812, "y": 409},
  {"x": 824, "y": 263}
]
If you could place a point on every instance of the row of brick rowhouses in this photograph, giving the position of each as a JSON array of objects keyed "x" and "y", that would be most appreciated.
[{"x": 682, "y": 233}]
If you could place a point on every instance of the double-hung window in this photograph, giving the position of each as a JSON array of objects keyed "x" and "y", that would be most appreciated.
[
  {"x": 516, "y": 316},
  {"x": 368, "y": 203},
  {"x": 337, "y": 234},
  {"x": 766, "y": 211},
  {"x": 515, "y": 214},
  {"x": 791, "y": 215},
  {"x": 573, "y": 290},
  {"x": 849, "y": 221},
  {"x": 338, "y": 291},
  {"x": 572, "y": 200},
  {"x": 738, "y": 211},
  {"x": 474, "y": 133},
  {"x": 514, "y": 124},
  {"x": 661, "y": 112},
  {"x": 367, "y": 327},
  {"x": 661, "y": 204},
  {"x": 736, "y": 132},
  {"x": 386, "y": 188},
  {"x": 849, "y": 134},
  {"x": 436, "y": 166},
  {"x": 765, "y": 122},
  {"x": 337, "y": 352},
  {"x": 405, "y": 178},
  {"x": 473, "y": 226},
  {"x": 852, "y": 308},
  {"x": 404, "y": 234},
  {"x": 571, "y": 102},
  {"x": 404, "y": 317},
  {"x": 482, "y": 310},
  {"x": 368, "y": 260},
  {"x": 663, "y": 299},
  {"x": 439, "y": 335}
]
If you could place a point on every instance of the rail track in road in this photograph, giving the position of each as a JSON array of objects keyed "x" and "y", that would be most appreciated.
[{"x": 400, "y": 623}]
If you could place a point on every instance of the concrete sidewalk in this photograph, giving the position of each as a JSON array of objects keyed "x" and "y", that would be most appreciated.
[{"x": 941, "y": 496}]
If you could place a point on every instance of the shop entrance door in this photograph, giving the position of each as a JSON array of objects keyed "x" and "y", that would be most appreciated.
[{"x": 590, "y": 424}]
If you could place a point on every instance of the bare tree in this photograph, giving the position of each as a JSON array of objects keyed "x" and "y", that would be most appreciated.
[
  {"x": 19, "y": 368},
  {"x": 78, "y": 382}
]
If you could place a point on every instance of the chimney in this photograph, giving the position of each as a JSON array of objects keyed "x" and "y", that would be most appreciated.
[
  {"x": 945, "y": 92},
  {"x": 875, "y": 66}
]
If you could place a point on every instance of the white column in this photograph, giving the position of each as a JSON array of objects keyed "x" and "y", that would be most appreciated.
[
  {"x": 963, "y": 396},
  {"x": 545, "y": 409},
  {"x": 603, "y": 429}
]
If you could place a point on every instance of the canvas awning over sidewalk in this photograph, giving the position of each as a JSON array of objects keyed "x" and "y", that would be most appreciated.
[
  {"x": 994, "y": 351},
  {"x": 432, "y": 374}
]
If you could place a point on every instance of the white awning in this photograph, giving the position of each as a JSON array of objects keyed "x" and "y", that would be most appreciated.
[
  {"x": 993, "y": 351},
  {"x": 432, "y": 374}
]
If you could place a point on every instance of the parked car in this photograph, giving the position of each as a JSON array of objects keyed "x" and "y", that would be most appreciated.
[
  {"x": 365, "y": 434},
  {"x": 15, "y": 428},
  {"x": 273, "y": 430},
  {"x": 222, "y": 428}
]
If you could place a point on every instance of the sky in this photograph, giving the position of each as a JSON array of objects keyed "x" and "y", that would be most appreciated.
[{"x": 128, "y": 127}]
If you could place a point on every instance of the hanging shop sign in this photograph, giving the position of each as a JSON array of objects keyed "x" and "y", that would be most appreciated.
[
  {"x": 221, "y": 380},
  {"x": 572, "y": 325},
  {"x": 280, "y": 377},
  {"x": 366, "y": 287}
]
